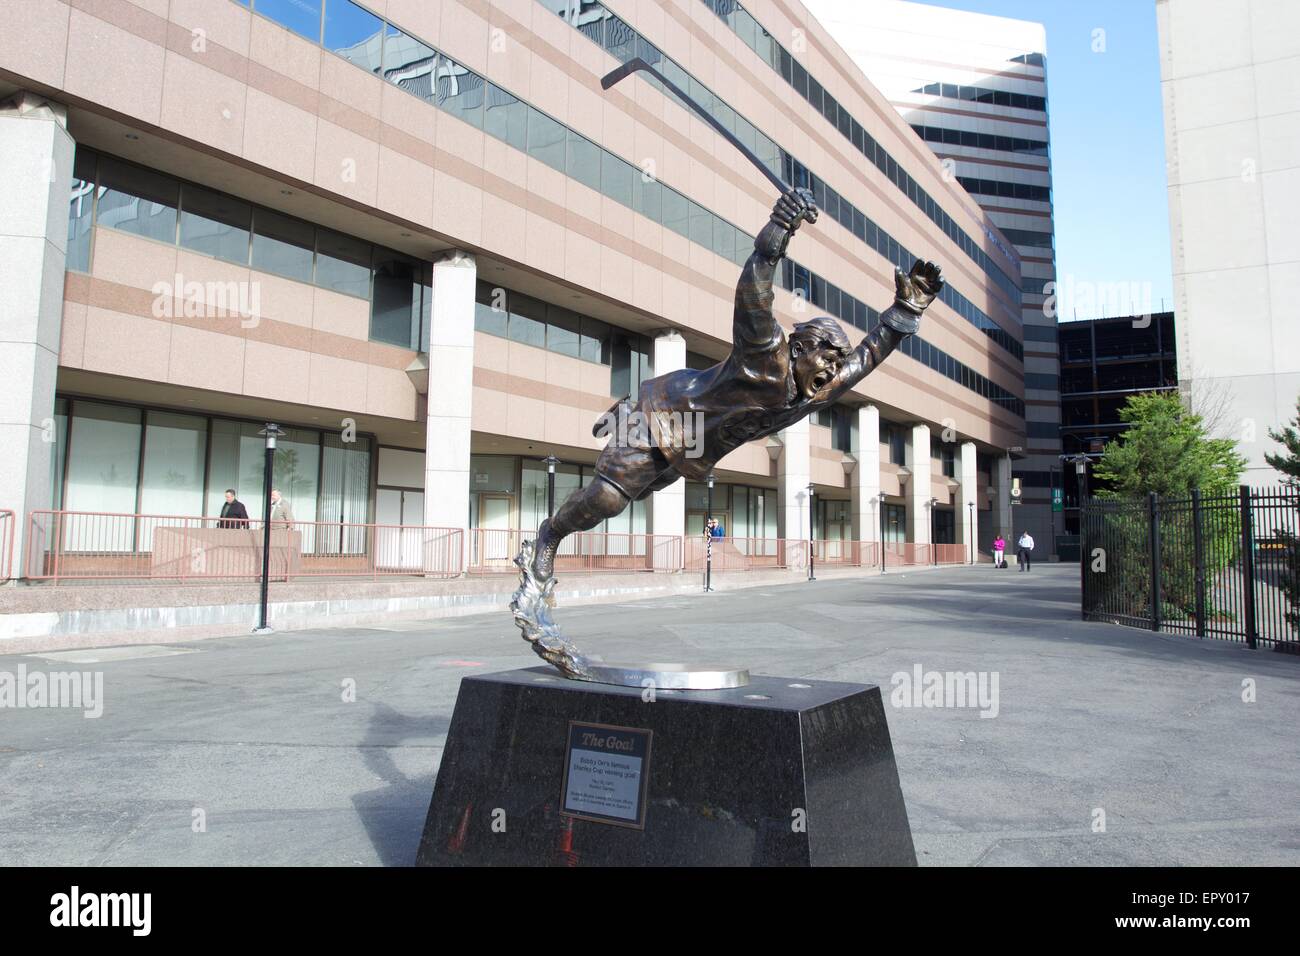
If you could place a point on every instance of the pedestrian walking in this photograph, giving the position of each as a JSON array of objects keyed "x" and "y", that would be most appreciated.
[
  {"x": 1026, "y": 549},
  {"x": 233, "y": 512}
]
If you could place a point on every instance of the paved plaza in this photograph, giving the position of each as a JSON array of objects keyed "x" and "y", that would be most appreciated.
[{"x": 251, "y": 751}]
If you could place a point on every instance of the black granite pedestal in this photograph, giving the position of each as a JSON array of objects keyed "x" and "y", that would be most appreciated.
[{"x": 782, "y": 772}]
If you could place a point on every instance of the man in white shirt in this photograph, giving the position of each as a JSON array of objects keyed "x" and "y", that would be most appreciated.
[{"x": 1026, "y": 548}]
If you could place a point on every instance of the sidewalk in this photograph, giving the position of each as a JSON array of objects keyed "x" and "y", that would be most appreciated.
[{"x": 47, "y": 617}]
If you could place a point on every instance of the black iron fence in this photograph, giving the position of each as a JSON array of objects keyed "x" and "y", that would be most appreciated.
[{"x": 1209, "y": 565}]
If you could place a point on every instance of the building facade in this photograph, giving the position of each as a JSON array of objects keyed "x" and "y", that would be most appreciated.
[
  {"x": 1232, "y": 109},
  {"x": 1103, "y": 362},
  {"x": 422, "y": 239},
  {"x": 974, "y": 87}
]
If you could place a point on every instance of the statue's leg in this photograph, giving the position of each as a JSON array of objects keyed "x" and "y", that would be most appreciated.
[
  {"x": 622, "y": 475},
  {"x": 581, "y": 511}
]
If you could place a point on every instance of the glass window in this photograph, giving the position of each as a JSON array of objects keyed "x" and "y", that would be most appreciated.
[
  {"x": 215, "y": 224},
  {"x": 676, "y": 211},
  {"x": 583, "y": 162},
  {"x": 81, "y": 207},
  {"x": 300, "y": 16},
  {"x": 563, "y": 331},
  {"x": 103, "y": 472},
  {"x": 344, "y": 494},
  {"x": 595, "y": 345},
  {"x": 282, "y": 245},
  {"x": 342, "y": 263},
  {"x": 410, "y": 64},
  {"x": 174, "y": 449},
  {"x": 460, "y": 92},
  {"x": 546, "y": 139},
  {"x": 505, "y": 117},
  {"x": 395, "y": 306},
  {"x": 296, "y": 473},
  {"x": 136, "y": 200},
  {"x": 647, "y": 196},
  {"x": 532, "y": 500},
  {"x": 616, "y": 178},
  {"x": 354, "y": 34},
  {"x": 620, "y": 40},
  {"x": 59, "y": 453},
  {"x": 724, "y": 239},
  {"x": 491, "y": 309},
  {"x": 701, "y": 225},
  {"x": 589, "y": 17},
  {"x": 527, "y": 320}
]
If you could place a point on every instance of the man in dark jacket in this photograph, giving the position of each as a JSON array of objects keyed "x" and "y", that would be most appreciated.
[{"x": 233, "y": 512}]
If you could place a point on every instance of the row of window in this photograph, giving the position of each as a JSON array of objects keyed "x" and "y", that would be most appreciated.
[
  {"x": 966, "y": 137},
  {"x": 404, "y": 58},
  {"x": 523, "y": 318},
  {"x": 778, "y": 58},
  {"x": 997, "y": 187},
  {"x": 407, "y": 62},
  {"x": 1028, "y": 237},
  {"x": 124, "y": 459},
  {"x": 621, "y": 41},
  {"x": 983, "y": 94},
  {"x": 943, "y": 363},
  {"x": 114, "y": 194},
  {"x": 844, "y": 306}
]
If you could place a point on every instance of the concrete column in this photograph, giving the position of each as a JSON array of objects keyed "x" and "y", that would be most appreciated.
[
  {"x": 1002, "y": 500},
  {"x": 668, "y": 507},
  {"x": 865, "y": 480},
  {"x": 918, "y": 485},
  {"x": 35, "y": 185},
  {"x": 451, "y": 390},
  {"x": 968, "y": 494},
  {"x": 793, "y": 468}
]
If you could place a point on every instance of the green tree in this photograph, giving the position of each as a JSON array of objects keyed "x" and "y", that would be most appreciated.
[
  {"x": 1288, "y": 436},
  {"x": 1166, "y": 450}
]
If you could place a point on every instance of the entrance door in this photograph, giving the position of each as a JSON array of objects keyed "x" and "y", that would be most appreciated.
[{"x": 497, "y": 546}]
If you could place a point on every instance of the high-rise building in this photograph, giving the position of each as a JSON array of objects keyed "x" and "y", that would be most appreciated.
[
  {"x": 422, "y": 238},
  {"x": 1230, "y": 74},
  {"x": 974, "y": 87}
]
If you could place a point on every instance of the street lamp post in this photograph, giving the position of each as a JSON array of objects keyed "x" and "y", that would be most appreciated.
[
  {"x": 812, "y": 544},
  {"x": 551, "y": 462},
  {"x": 708, "y": 535},
  {"x": 882, "y": 532},
  {"x": 934, "y": 553},
  {"x": 970, "y": 505},
  {"x": 272, "y": 432}
]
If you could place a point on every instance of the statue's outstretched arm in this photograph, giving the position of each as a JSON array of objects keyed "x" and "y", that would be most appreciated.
[
  {"x": 913, "y": 294},
  {"x": 753, "y": 324}
]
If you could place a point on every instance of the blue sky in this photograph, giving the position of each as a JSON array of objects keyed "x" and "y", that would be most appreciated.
[{"x": 1108, "y": 142}]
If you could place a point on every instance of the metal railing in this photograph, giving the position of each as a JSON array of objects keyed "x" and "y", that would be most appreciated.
[
  {"x": 83, "y": 545},
  {"x": 8, "y": 533},
  {"x": 1221, "y": 566},
  {"x": 494, "y": 549}
]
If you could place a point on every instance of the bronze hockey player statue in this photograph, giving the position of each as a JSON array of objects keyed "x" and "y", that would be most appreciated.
[{"x": 768, "y": 382}]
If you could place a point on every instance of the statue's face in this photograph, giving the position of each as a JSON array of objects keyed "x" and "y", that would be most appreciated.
[{"x": 815, "y": 367}]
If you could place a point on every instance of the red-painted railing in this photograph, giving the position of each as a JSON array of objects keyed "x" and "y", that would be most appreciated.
[
  {"x": 494, "y": 550},
  {"x": 8, "y": 532},
  {"x": 82, "y": 545}
]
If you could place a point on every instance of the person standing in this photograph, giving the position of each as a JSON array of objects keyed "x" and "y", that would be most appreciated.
[
  {"x": 233, "y": 512},
  {"x": 999, "y": 550},
  {"x": 1026, "y": 549},
  {"x": 280, "y": 511}
]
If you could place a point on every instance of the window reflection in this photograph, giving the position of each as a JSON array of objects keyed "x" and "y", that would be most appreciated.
[{"x": 354, "y": 34}]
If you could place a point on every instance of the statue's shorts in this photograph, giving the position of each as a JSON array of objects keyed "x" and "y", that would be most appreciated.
[{"x": 636, "y": 472}]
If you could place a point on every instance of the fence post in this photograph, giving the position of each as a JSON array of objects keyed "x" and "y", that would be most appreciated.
[
  {"x": 1083, "y": 561},
  {"x": 1198, "y": 546},
  {"x": 1154, "y": 508},
  {"x": 1248, "y": 564}
]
